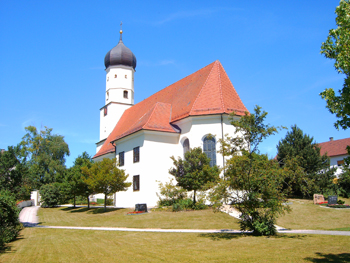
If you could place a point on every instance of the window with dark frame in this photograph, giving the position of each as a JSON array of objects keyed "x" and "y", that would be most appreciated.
[
  {"x": 340, "y": 163},
  {"x": 136, "y": 183},
  {"x": 105, "y": 111},
  {"x": 209, "y": 148},
  {"x": 121, "y": 159},
  {"x": 136, "y": 154},
  {"x": 125, "y": 94}
]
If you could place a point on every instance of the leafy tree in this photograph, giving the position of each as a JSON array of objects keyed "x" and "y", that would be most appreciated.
[
  {"x": 337, "y": 47},
  {"x": 301, "y": 146},
  {"x": 13, "y": 174},
  {"x": 44, "y": 153},
  {"x": 105, "y": 177},
  {"x": 51, "y": 194},
  {"x": 9, "y": 223},
  {"x": 74, "y": 182},
  {"x": 344, "y": 179},
  {"x": 253, "y": 184},
  {"x": 194, "y": 173}
]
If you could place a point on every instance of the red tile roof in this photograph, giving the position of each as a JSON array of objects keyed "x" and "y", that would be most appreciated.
[
  {"x": 207, "y": 91},
  {"x": 334, "y": 148}
]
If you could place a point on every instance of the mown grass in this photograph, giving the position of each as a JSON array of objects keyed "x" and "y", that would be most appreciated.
[
  {"x": 60, "y": 245},
  {"x": 306, "y": 215},
  {"x": 95, "y": 217}
]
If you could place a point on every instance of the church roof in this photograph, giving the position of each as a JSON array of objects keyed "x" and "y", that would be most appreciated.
[
  {"x": 206, "y": 92},
  {"x": 334, "y": 148}
]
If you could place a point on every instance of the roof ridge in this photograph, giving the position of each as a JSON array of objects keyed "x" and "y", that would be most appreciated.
[
  {"x": 198, "y": 95},
  {"x": 221, "y": 95}
]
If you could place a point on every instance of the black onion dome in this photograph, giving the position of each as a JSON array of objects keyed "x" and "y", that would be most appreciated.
[{"x": 120, "y": 55}]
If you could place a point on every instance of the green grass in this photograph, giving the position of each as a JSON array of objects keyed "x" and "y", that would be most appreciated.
[
  {"x": 306, "y": 215},
  {"x": 60, "y": 245},
  {"x": 95, "y": 217}
]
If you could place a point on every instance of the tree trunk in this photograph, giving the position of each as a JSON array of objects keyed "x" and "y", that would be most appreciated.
[
  {"x": 105, "y": 201},
  {"x": 74, "y": 201},
  {"x": 194, "y": 196},
  {"x": 88, "y": 201}
]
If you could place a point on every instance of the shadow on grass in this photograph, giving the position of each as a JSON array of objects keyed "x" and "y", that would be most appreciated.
[
  {"x": 343, "y": 257},
  {"x": 221, "y": 236},
  {"x": 7, "y": 248},
  {"x": 228, "y": 236},
  {"x": 92, "y": 210}
]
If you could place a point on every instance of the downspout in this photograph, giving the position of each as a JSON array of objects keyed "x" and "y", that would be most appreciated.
[
  {"x": 115, "y": 194},
  {"x": 222, "y": 138}
]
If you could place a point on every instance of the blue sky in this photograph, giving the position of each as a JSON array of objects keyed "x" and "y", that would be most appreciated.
[{"x": 52, "y": 60}]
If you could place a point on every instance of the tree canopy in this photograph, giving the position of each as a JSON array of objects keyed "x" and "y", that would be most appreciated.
[
  {"x": 44, "y": 154},
  {"x": 105, "y": 177},
  {"x": 303, "y": 146},
  {"x": 253, "y": 184},
  {"x": 193, "y": 173},
  {"x": 337, "y": 47}
]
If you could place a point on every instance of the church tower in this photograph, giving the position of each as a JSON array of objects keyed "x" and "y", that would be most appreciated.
[{"x": 120, "y": 65}]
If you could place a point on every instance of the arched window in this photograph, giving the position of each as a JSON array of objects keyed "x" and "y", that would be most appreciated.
[
  {"x": 125, "y": 94},
  {"x": 209, "y": 147},
  {"x": 186, "y": 146}
]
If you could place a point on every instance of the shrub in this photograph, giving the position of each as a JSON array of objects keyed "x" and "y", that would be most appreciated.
[
  {"x": 169, "y": 193},
  {"x": 340, "y": 202},
  {"x": 9, "y": 223},
  {"x": 50, "y": 195}
]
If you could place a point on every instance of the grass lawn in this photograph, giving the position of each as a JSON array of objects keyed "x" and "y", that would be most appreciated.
[
  {"x": 306, "y": 215},
  {"x": 60, "y": 245},
  {"x": 203, "y": 219}
]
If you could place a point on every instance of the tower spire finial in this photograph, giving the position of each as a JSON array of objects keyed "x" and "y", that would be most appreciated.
[{"x": 121, "y": 31}]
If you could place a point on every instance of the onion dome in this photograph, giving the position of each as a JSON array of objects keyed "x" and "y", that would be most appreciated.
[{"x": 120, "y": 55}]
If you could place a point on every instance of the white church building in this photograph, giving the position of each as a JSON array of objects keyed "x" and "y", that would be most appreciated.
[{"x": 192, "y": 112}]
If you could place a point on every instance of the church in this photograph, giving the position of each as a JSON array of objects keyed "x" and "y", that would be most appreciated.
[{"x": 192, "y": 112}]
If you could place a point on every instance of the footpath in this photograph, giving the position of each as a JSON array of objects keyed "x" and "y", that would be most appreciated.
[{"x": 28, "y": 217}]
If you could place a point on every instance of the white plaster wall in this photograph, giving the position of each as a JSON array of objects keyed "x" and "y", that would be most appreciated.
[
  {"x": 108, "y": 122},
  {"x": 155, "y": 151},
  {"x": 116, "y": 85},
  {"x": 334, "y": 163}
]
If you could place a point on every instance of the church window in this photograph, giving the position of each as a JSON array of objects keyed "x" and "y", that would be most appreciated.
[
  {"x": 209, "y": 148},
  {"x": 105, "y": 111},
  {"x": 340, "y": 163},
  {"x": 125, "y": 94},
  {"x": 186, "y": 146},
  {"x": 136, "y": 154},
  {"x": 115, "y": 76},
  {"x": 126, "y": 76},
  {"x": 121, "y": 159},
  {"x": 136, "y": 183}
]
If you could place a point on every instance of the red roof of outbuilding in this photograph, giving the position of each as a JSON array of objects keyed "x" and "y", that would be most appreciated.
[
  {"x": 207, "y": 91},
  {"x": 334, "y": 148}
]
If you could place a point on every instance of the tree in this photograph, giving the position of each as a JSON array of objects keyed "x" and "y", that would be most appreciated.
[
  {"x": 44, "y": 154},
  {"x": 301, "y": 146},
  {"x": 253, "y": 184},
  {"x": 51, "y": 194},
  {"x": 105, "y": 177},
  {"x": 193, "y": 173},
  {"x": 74, "y": 182},
  {"x": 337, "y": 47},
  {"x": 9, "y": 223},
  {"x": 13, "y": 174}
]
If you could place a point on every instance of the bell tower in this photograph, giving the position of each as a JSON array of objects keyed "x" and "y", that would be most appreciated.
[{"x": 120, "y": 65}]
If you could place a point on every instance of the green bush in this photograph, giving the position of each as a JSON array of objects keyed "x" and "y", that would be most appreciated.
[
  {"x": 50, "y": 195},
  {"x": 340, "y": 202},
  {"x": 9, "y": 223}
]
